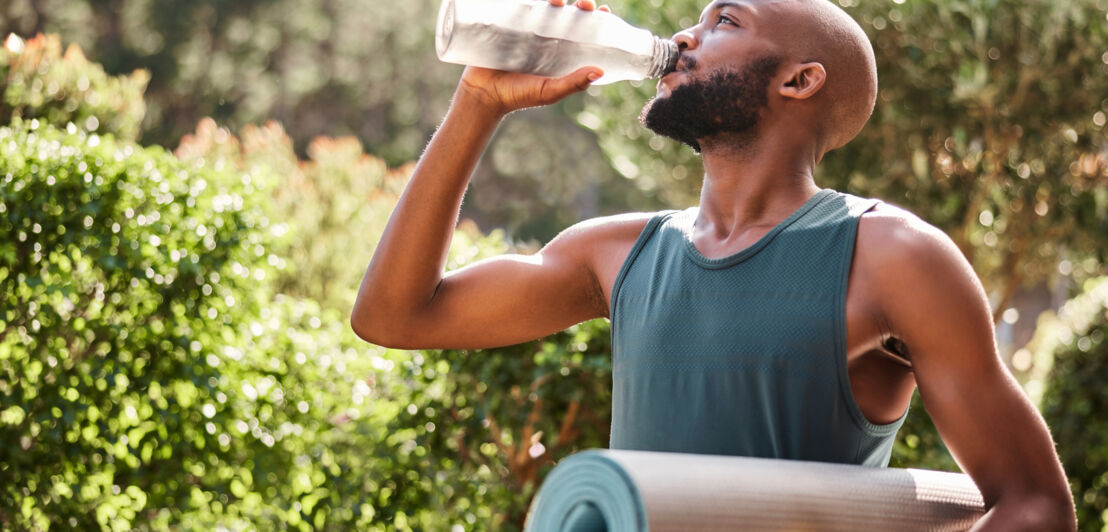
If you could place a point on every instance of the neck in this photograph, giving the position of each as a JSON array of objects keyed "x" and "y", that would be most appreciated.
[{"x": 752, "y": 184}]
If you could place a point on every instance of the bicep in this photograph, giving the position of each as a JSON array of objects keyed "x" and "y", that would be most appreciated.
[
  {"x": 937, "y": 307},
  {"x": 515, "y": 298},
  {"x": 508, "y": 299}
]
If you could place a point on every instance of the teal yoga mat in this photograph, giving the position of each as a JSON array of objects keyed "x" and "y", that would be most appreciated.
[{"x": 617, "y": 491}]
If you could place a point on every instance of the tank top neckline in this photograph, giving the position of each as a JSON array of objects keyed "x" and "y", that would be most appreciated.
[{"x": 753, "y": 249}]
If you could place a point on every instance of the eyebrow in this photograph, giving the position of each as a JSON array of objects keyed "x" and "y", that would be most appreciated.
[{"x": 723, "y": 4}]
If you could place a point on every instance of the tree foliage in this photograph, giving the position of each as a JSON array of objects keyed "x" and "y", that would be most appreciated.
[
  {"x": 1069, "y": 371},
  {"x": 319, "y": 66},
  {"x": 335, "y": 68},
  {"x": 333, "y": 206},
  {"x": 990, "y": 123},
  {"x": 38, "y": 81}
]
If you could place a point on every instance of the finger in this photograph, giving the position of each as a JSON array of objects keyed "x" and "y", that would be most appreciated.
[
  {"x": 587, "y": 5},
  {"x": 604, "y": 8},
  {"x": 558, "y": 3}
]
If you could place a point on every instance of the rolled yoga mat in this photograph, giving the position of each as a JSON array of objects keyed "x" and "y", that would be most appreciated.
[{"x": 617, "y": 491}]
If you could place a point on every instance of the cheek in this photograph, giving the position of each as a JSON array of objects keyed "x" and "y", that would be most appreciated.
[{"x": 714, "y": 53}]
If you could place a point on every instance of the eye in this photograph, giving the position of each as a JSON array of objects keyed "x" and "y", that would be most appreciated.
[{"x": 725, "y": 19}]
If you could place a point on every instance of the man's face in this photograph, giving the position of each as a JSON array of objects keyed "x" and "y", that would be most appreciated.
[
  {"x": 723, "y": 75},
  {"x": 726, "y": 101}
]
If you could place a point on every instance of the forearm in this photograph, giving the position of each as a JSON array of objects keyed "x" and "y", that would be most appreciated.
[{"x": 408, "y": 262}]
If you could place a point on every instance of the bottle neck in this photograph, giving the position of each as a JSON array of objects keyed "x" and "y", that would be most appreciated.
[{"x": 665, "y": 57}]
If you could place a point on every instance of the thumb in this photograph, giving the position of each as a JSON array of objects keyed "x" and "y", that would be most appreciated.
[{"x": 575, "y": 81}]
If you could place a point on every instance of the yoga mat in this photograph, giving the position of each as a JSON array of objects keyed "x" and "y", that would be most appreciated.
[{"x": 617, "y": 491}]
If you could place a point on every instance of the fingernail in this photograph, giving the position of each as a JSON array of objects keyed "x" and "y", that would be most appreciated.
[{"x": 593, "y": 76}]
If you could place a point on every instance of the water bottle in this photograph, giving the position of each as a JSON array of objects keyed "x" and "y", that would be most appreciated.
[{"x": 535, "y": 37}]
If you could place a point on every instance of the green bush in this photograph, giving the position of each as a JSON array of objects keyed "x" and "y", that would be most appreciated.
[
  {"x": 482, "y": 428},
  {"x": 148, "y": 376},
  {"x": 38, "y": 81},
  {"x": 1075, "y": 397},
  {"x": 918, "y": 443},
  {"x": 451, "y": 434},
  {"x": 122, "y": 271},
  {"x": 333, "y": 205}
]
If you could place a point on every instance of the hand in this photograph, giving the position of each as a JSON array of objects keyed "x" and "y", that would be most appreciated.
[
  {"x": 587, "y": 5},
  {"x": 504, "y": 92}
]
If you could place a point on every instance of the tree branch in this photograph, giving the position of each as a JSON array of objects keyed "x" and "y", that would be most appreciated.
[
  {"x": 494, "y": 428},
  {"x": 567, "y": 432},
  {"x": 529, "y": 425}
]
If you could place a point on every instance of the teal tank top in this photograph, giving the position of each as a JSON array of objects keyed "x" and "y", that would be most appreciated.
[{"x": 742, "y": 355}]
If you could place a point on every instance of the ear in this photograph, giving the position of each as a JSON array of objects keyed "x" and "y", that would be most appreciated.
[{"x": 804, "y": 82}]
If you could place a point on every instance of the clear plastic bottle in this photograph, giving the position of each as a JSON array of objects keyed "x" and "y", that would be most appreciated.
[{"x": 535, "y": 37}]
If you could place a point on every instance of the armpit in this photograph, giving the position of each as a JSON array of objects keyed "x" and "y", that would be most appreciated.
[{"x": 896, "y": 350}]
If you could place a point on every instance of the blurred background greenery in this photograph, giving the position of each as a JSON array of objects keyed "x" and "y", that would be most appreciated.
[{"x": 186, "y": 213}]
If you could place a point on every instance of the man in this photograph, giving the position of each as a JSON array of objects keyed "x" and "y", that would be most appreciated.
[{"x": 776, "y": 319}]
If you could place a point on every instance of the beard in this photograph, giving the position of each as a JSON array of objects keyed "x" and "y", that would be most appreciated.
[{"x": 726, "y": 102}]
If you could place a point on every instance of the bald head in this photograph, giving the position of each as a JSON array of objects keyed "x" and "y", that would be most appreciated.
[{"x": 819, "y": 31}]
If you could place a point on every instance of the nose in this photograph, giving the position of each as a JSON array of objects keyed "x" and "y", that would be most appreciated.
[{"x": 685, "y": 40}]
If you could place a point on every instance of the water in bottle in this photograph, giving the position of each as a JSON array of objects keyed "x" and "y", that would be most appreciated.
[{"x": 535, "y": 37}]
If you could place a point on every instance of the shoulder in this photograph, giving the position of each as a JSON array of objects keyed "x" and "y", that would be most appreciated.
[
  {"x": 603, "y": 231},
  {"x": 907, "y": 260},
  {"x": 893, "y": 236},
  {"x": 599, "y": 247}
]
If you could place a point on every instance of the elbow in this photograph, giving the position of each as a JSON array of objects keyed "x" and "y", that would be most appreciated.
[
  {"x": 379, "y": 328},
  {"x": 368, "y": 325},
  {"x": 1063, "y": 514},
  {"x": 373, "y": 332},
  {"x": 362, "y": 328},
  {"x": 1040, "y": 512},
  {"x": 1052, "y": 513}
]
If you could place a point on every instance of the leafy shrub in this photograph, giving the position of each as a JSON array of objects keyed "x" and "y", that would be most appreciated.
[
  {"x": 1075, "y": 397},
  {"x": 38, "y": 81},
  {"x": 122, "y": 271},
  {"x": 333, "y": 205},
  {"x": 918, "y": 443},
  {"x": 455, "y": 437},
  {"x": 148, "y": 376},
  {"x": 481, "y": 429}
]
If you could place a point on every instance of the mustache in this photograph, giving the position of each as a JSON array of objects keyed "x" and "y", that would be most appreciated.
[{"x": 685, "y": 63}]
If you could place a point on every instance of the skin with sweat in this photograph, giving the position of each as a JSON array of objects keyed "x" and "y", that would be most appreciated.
[{"x": 916, "y": 313}]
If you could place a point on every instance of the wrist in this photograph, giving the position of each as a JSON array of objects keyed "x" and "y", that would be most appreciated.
[{"x": 480, "y": 100}]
